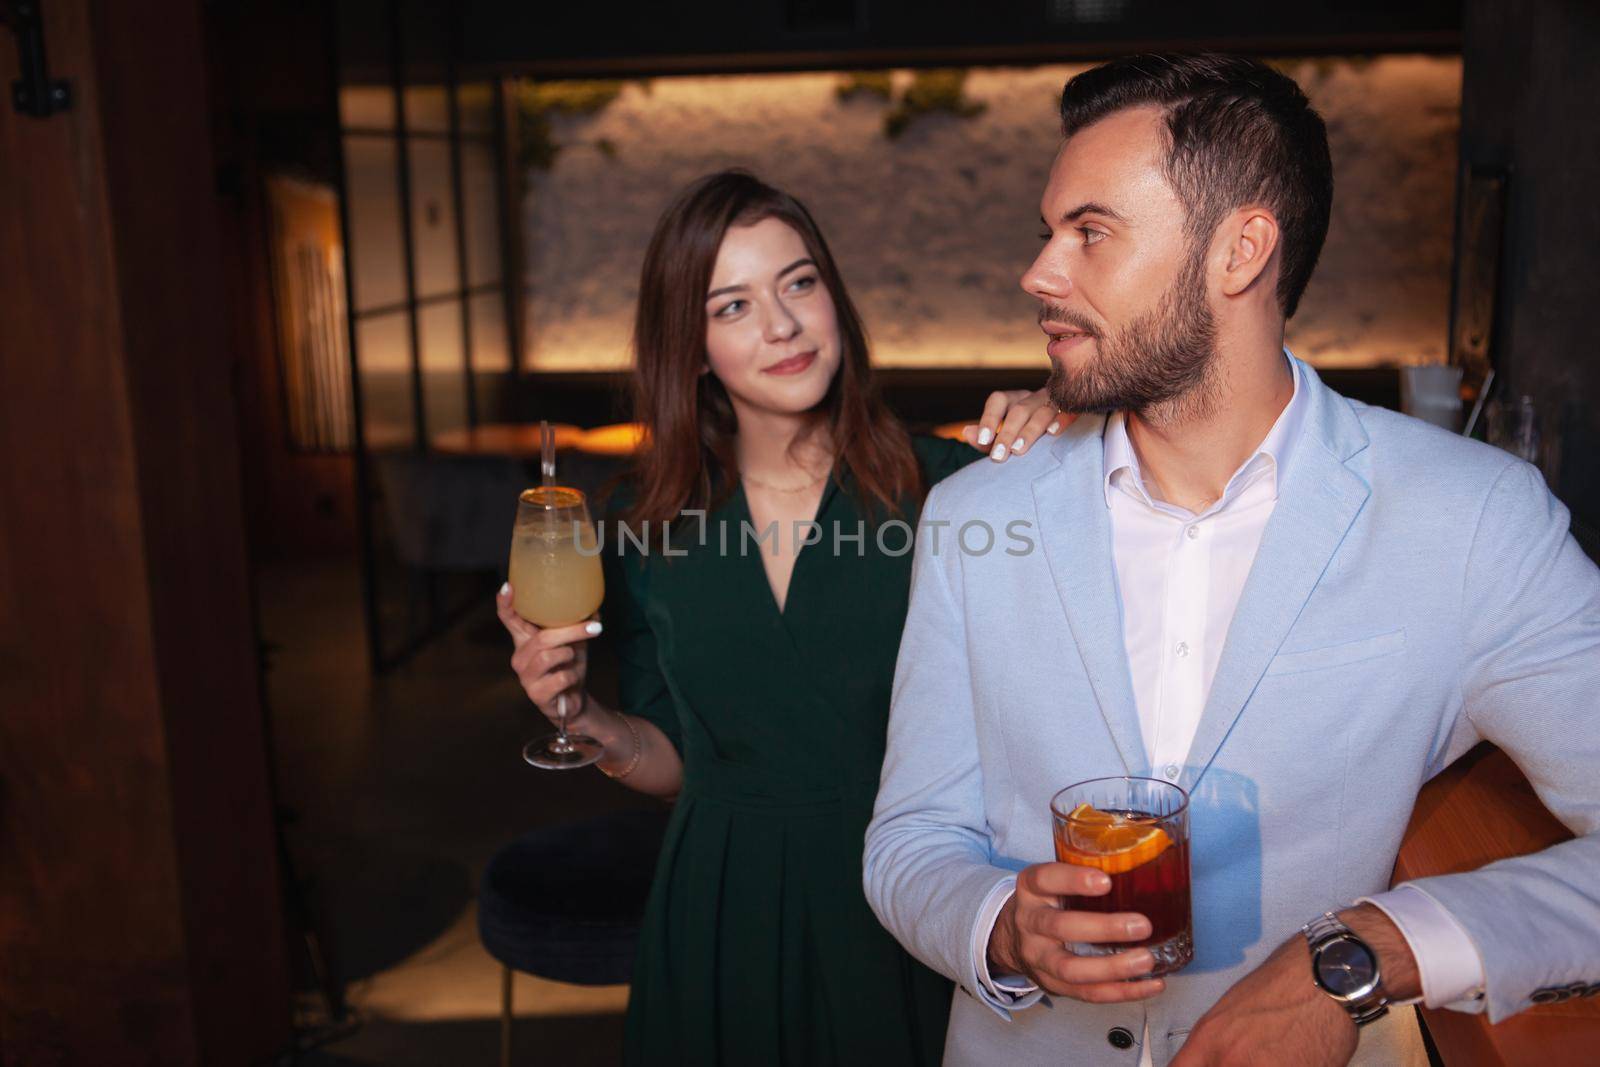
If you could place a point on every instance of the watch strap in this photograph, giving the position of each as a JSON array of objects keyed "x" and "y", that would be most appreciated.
[{"x": 1320, "y": 931}]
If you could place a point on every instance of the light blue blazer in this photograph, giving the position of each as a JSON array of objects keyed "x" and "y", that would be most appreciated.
[{"x": 1414, "y": 593}]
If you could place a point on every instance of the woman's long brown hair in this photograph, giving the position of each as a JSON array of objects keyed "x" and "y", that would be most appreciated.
[{"x": 688, "y": 459}]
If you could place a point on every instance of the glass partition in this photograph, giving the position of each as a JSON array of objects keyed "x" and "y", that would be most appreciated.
[{"x": 431, "y": 349}]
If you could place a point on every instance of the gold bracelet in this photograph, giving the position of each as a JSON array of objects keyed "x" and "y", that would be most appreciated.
[{"x": 638, "y": 750}]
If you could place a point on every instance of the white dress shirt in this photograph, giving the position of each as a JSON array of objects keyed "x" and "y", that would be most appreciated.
[{"x": 1180, "y": 576}]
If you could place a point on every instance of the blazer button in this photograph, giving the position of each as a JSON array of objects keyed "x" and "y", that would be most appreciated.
[{"x": 1120, "y": 1037}]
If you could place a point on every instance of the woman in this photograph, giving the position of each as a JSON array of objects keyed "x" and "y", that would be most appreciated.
[{"x": 756, "y": 683}]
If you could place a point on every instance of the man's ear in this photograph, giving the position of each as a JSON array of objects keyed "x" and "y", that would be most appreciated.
[{"x": 1252, "y": 242}]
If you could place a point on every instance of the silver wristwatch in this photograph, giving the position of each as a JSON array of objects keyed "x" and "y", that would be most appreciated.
[{"x": 1346, "y": 968}]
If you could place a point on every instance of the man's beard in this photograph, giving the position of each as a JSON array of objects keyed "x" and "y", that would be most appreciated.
[{"x": 1160, "y": 366}]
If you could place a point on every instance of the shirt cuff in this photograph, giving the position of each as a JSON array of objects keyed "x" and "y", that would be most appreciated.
[
  {"x": 1008, "y": 992},
  {"x": 1448, "y": 962}
]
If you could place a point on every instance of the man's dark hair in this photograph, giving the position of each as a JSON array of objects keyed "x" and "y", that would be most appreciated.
[{"x": 1238, "y": 133}]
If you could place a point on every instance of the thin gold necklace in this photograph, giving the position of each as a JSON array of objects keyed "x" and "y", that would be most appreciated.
[{"x": 759, "y": 484}]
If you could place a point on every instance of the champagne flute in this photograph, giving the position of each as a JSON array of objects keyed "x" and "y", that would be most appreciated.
[{"x": 556, "y": 580}]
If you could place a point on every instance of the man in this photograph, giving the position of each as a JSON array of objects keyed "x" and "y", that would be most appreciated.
[{"x": 1297, "y": 607}]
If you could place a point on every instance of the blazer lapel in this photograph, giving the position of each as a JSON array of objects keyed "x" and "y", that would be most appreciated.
[
  {"x": 1318, "y": 498},
  {"x": 1075, "y": 530}
]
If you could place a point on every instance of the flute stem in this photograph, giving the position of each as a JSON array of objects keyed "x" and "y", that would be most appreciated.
[{"x": 561, "y": 742}]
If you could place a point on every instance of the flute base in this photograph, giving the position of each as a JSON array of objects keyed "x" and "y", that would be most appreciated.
[{"x": 558, "y": 753}]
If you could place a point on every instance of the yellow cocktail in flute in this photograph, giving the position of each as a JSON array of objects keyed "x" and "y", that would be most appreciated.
[
  {"x": 555, "y": 559},
  {"x": 556, "y": 581}
]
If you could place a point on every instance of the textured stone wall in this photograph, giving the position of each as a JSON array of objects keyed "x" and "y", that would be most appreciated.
[{"x": 933, "y": 229}]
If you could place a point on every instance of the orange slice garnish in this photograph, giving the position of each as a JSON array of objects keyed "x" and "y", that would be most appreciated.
[
  {"x": 1088, "y": 815},
  {"x": 1110, "y": 842}
]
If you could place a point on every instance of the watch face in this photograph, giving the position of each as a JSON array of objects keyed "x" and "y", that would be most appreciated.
[{"x": 1346, "y": 968}]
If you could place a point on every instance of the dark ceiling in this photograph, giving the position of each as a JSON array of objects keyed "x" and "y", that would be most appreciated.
[{"x": 622, "y": 37}]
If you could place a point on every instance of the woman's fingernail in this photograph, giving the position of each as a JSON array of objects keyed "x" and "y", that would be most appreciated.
[
  {"x": 1018, "y": 445},
  {"x": 1139, "y": 927},
  {"x": 593, "y": 629},
  {"x": 999, "y": 452},
  {"x": 1100, "y": 881},
  {"x": 505, "y": 589},
  {"x": 985, "y": 435},
  {"x": 1055, "y": 427}
]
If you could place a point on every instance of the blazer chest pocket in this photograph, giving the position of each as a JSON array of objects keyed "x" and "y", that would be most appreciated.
[{"x": 1340, "y": 655}]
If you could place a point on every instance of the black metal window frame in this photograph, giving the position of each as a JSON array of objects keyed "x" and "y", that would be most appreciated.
[{"x": 382, "y": 659}]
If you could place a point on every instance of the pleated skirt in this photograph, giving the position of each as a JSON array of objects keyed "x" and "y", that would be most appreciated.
[{"x": 758, "y": 947}]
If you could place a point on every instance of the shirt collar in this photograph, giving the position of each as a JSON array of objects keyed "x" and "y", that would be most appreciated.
[{"x": 1269, "y": 458}]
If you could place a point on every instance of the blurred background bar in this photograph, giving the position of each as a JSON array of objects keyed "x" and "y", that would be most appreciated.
[{"x": 289, "y": 285}]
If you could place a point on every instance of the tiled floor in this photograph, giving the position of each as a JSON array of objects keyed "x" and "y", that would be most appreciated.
[{"x": 402, "y": 788}]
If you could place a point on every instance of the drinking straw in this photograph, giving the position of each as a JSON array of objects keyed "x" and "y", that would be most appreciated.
[{"x": 547, "y": 452}]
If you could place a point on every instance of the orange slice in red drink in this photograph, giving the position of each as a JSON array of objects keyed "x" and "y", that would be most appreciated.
[{"x": 1111, "y": 842}]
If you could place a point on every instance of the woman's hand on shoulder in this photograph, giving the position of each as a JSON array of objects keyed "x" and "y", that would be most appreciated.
[{"x": 1013, "y": 419}]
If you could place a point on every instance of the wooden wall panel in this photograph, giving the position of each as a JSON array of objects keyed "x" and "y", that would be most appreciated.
[{"x": 139, "y": 902}]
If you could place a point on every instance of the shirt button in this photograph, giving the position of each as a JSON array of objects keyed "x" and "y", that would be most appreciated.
[
  {"x": 1192, "y": 532},
  {"x": 1120, "y": 1037},
  {"x": 1182, "y": 650},
  {"x": 1171, "y": 771}
]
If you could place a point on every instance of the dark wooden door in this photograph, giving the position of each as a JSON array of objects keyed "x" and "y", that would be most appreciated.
[{"x": 140, "y": 917}]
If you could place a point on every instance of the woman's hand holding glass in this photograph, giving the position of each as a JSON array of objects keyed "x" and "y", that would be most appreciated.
[{"x": 551, "y": 663}]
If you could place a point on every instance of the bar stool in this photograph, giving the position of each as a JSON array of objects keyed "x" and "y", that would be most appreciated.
[{"x": 565, "y": 902}]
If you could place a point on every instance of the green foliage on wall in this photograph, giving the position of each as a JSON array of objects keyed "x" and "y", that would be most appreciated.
[
  {"x": 931, "y": 92},
  {"x": 1312, "y": 71},
  {"x": 537, "y": 101},
  {"x": 855, "y": 83}
]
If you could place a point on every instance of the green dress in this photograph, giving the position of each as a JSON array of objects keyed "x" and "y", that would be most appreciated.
[{"x": 758, "y": 946}]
